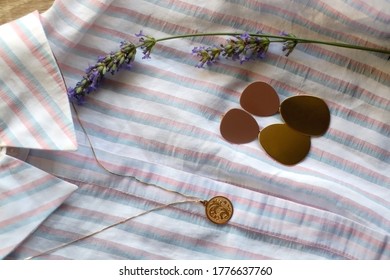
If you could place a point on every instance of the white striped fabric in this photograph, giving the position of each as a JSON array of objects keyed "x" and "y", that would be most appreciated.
[
  {"x": 27, "y": 197},
  {"x": 159, "y": 123},
  {"x": 34, "y": 111}
]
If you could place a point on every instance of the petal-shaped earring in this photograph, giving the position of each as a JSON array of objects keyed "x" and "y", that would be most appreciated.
[
  {"x": 260, "y": 99},
  {"x": 282, "y": 143},
  {"x": 307, "y": 114},
  {"x": 239, "y": 127}
]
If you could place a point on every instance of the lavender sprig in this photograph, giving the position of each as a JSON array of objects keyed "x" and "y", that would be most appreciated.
[
  {"x": 241, "y": 47},
  {"x": 94, "y": 74}
]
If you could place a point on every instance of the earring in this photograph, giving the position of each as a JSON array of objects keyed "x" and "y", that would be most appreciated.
[
  {"x": 305, "y": 113},
  {"x": 287, "y": 143}
]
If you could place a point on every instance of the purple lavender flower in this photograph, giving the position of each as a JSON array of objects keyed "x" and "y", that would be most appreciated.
[
  {"x": 246, "y": 47},
  {"x": 207, "y": 55},
  {"x": 148, "y": 42},
  {"x": 95, "y": 73},
  {"x": 243, "y": 47}
]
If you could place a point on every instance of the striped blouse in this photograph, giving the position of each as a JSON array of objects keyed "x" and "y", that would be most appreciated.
[{"x": 155, "y": 130}]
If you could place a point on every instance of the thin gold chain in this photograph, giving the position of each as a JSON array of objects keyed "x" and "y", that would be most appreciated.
[
  {"x": 110, "y": 226},
  {"x": 189, "y": 199},
  {"x": 117, "y": 174}
]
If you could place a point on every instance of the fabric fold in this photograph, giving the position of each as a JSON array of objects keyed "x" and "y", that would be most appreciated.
[{"x": 27, "y": 197}]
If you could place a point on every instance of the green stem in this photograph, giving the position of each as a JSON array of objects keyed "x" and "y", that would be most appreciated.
[{"x": 283, "y": 39}]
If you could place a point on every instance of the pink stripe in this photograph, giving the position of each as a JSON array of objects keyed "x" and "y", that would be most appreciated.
[
  {"x": 37, "y": 50},
  {"x": 51, "y": 205},
  {"x": 25, "y": 187},
  {"x": 339, "y": 244},
  {"x": 350, "y": 22},
  {"x": 301, "y": 68},
  {"x": 355, "y": 115}
]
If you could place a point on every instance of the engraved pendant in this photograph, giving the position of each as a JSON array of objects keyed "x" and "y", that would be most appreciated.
[{"x": 219, "y": 209}]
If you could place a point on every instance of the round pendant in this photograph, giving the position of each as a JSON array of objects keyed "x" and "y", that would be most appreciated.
[{"x": 219, "y": 210}]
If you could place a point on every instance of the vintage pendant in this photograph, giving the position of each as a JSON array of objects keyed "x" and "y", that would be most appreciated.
[{"x": 219, "y": 209}]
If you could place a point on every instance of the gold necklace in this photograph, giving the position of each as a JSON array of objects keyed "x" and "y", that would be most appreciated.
[{"x": 218, "y": 209}]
